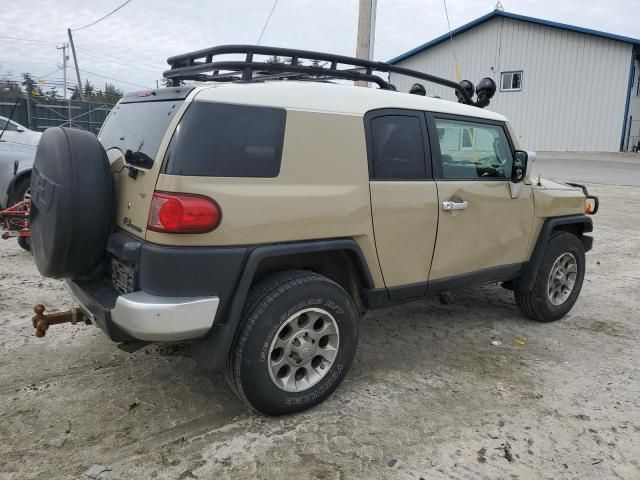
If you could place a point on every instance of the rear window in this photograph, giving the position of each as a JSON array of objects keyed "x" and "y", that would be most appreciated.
[
  {"x": 139, "y": 127},
  {"x": 223, "y": 140}
]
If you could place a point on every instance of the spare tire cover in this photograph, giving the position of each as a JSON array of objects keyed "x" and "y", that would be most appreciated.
[{"x": 71, "y": 203}]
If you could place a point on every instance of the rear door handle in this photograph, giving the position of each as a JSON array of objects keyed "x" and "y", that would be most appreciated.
[{"x": 451, "y": 206}]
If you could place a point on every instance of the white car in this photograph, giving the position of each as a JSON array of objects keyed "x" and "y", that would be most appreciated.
[{"x": 16, "y": 133}]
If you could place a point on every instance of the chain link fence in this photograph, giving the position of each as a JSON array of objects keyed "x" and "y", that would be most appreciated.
[{"x": 39, "y": 113}]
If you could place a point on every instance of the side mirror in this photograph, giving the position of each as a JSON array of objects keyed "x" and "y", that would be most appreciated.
[
  {"x": 20, "y": 129},
  {"x": 519, "y": 170}
]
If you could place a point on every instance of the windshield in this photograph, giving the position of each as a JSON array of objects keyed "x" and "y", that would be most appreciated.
[{"x": 139, "y": 127}]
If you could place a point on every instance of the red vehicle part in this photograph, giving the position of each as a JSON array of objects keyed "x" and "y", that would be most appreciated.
[{"x": 14, "y": 221}]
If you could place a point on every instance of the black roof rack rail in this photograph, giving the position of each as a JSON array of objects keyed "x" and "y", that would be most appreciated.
[{"x": 202, "y": 65}]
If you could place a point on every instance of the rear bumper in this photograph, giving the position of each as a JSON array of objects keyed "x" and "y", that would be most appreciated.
[
  {"x": 153, "y": 318},
  {"x": 141, "y": 316}
]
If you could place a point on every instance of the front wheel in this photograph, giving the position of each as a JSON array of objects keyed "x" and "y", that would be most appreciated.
[
  {"x": 558, "y": 281},
  {"x": 296, "y": 344}
]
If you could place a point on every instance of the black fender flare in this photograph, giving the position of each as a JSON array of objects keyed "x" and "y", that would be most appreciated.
[
  {"x": 524, "y": 282},
  {"x": 15, "y": 179},
  {"x": 212, "y": 350}
]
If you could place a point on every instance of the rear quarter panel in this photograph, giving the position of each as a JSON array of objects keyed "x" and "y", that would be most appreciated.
[{"x": 322, "y": 191}]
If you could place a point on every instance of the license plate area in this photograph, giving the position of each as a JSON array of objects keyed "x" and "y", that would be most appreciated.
[{"x": 123, "y": 276}]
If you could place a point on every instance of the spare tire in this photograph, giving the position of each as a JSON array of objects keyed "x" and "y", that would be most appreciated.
[{"x": 71, "y": 203}]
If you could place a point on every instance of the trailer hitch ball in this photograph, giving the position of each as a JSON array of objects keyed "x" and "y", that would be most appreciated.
[{"x": 42, "y": 321}]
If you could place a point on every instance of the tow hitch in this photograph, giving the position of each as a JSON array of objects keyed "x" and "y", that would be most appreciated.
[{"x": 42, "y": 321}]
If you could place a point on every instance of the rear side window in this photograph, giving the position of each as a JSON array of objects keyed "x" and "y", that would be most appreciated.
[
  {"x": 223, "y": 140},
  {"x": 397, "y": 148},
  {"x": 138, "y": 126}
]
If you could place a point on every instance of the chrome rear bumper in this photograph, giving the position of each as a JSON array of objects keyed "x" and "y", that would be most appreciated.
[{"x": 155, "y": 318}]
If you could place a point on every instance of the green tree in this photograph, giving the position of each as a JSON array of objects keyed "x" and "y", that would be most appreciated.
[
  {"x": 88, "y": 90},
  {"x": 111, "y": 94},
  {"x": 52, "y": 94},
  {"x": 30, "y": 86}
]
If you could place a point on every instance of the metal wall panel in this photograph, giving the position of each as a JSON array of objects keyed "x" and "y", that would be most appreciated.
[{"x": 574, "y": 85}]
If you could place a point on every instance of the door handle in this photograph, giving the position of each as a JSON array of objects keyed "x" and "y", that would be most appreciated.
[{"x": 451, "y": 206}]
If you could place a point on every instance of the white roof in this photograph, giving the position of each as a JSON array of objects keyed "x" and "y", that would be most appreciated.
[{"x": 331, "y": 98}]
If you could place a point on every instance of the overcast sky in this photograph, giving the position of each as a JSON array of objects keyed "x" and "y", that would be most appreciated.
[{"x": 146, "y": 32}]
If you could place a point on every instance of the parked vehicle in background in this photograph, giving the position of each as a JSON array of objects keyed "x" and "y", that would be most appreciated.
[
  {"x": 16, "y": 133},
  {"x": 16, "y": 162}
]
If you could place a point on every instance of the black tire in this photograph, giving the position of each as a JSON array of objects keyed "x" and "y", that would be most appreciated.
[
  {"x": 536, "y": 303},
  {"x": 19, "y": 190},
  {"x": 25, "y": 243},
  {"x": 269, "y": 305},
  {"x": 71, "y": 203}
]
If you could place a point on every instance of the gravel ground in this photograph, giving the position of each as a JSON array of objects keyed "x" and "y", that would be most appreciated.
[{"x": 429, "y": 396}]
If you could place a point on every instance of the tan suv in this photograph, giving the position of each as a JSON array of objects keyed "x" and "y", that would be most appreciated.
[{"x": 261, "y": 212}]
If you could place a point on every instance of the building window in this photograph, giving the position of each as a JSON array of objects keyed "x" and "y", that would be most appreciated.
[{"x": 511, "y": 81}]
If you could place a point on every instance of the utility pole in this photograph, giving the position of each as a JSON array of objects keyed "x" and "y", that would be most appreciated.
[
  {"x": 366, "y": 32},
  {"x": 65, "y": 57},
  {"x": 75, "y": 61}
]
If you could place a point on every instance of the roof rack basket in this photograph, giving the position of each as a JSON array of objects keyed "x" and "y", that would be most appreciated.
[{"x": 203, "y": 65}]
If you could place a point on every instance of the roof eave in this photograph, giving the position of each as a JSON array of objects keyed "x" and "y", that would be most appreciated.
[{"x": 515, "y": 16}]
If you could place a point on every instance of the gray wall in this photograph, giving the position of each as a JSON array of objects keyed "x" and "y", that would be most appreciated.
[
  {"x": 574, "y": 85},
  {"x": 633, "y": 127}
]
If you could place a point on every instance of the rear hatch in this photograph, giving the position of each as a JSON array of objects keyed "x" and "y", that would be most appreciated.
[{"x": 138, "y": 126}]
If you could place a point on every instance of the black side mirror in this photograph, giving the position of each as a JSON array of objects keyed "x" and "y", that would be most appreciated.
[{"x": 519, "y": 170}]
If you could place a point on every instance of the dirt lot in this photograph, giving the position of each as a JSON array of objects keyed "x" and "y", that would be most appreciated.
[{"x": 429, "y": 396}]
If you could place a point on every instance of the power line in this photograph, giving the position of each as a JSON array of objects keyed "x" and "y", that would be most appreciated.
[
  {"x": 267, "y": 22},
  {"x": 102, "y": 18},
  {"x": 114, "y": 79},
  {"x": 455, "y": 56},
  {"x": 120, "y": 61},
  {"x": 29, "y": 40},
  {"x": 50, "y": 73}
]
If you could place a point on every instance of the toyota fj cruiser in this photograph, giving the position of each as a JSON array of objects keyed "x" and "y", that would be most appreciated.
[{"x": 262, "y": 211}]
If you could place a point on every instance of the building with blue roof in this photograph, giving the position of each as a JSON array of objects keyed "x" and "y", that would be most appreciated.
[{"x": 563, "y": 87}]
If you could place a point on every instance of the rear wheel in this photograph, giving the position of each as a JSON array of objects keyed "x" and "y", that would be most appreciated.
[
  {"x": 21, "y": 190},
  {"x": 558, "y": 282},
  {"x": 296, "y": 344}
]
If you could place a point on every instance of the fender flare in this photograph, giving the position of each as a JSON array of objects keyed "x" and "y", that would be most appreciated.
[
  {"x": 524, "y": 283},
  {"x": 212, "y": 350},
  {"x": 15, "y": 179}
]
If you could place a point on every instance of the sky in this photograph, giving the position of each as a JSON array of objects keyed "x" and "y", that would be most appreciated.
[{"x": 131, "y": 46}]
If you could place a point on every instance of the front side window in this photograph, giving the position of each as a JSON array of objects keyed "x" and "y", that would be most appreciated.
[
  {"x": 398, "y": 148},
  {"x": 511, "y": 81},
  {"x": 473, "y": 150},
  {"x": 224, "y": 140}
]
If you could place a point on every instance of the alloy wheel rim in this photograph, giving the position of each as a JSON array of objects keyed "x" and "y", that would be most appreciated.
[
  {"x": 303, "y": 350},
  {"x": 562, "y": 279}
]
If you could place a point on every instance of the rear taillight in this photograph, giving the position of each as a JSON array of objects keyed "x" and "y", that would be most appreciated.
[{"x": 181, "y": 213}]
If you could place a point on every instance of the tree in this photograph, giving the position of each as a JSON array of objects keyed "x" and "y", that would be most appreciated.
[
  {"x": 52, "y": 94},
  {"x": 168, "y": 82},
  {"x": 88, "y": 89},
  {"x": 30, "y": 86},
  {"x": 9, "y": 89},
  {"x": 111, "y": 94},
  {"x": 275, "y": 59}
]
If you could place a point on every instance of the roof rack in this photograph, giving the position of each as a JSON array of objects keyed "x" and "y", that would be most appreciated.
[{"x": 203, "y": 65}]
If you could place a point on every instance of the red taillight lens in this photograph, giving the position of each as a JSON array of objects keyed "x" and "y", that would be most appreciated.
[{"x": 180, "y": 213}]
